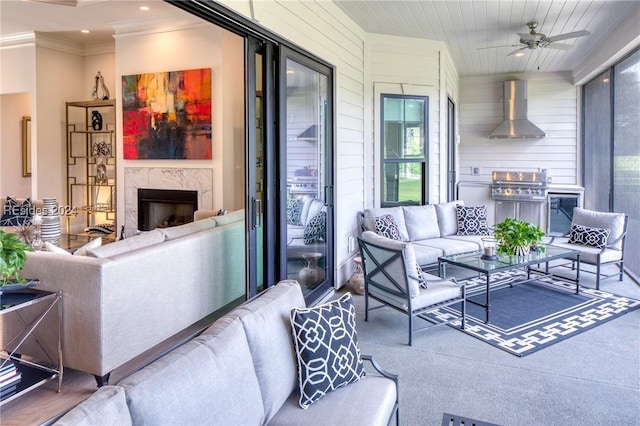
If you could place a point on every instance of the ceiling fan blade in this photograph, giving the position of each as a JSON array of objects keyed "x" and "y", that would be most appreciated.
[
  {"x": 526, "y": 36},
  {"x": 559, "y": 46},
  {"x": 495, "y": 47},
  {"x": 568, "y": 35},
  {"x": 516, "y": 51}
]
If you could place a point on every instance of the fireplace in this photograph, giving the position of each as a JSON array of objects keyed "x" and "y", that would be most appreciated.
[{"x": 162, "y": 208}]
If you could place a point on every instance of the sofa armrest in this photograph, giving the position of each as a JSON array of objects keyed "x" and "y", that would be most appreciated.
[{"x": 388, "y": 375}]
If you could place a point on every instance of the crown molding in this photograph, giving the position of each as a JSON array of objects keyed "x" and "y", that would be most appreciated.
[
  {"x": 137, "y": 28},
  {"x": 18, "y": 39}
]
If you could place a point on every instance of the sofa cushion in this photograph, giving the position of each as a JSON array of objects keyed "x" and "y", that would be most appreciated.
[
  {"x": 268, "y": 329},
  {"x": 448, "y": 246},
  {"x": 386, "y": 227},
  {"x": 107, "y": 406},
  {"x": 216, "y": 369},
  {"x": 594, "y": 237},
  {"x": 173, "y": 232},
  {"x": 15, "y": 213},
  {"x": 396, "y": 212},
  {"x": 421, "y": 222},
  {"x": 316, "y": 229},
  {"x": 425, "y": 254},
  {"x": 143, "y": 240},
  {"x": 369, "y": 401},
  {"x": 448, "y": 218},
  {"x": 310, "y": 208},
  {"x": 605, "y": 220},
  {"x": 327, "y": 349},
  {"x": 472, "y": 220}
]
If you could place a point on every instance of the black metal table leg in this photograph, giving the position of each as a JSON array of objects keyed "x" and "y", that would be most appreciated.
[
  {"x": 578, "y": 274},
  {"x": 488, "y": 304}
]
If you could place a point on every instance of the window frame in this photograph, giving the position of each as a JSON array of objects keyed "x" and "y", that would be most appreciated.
[{"x": 423, "y": 162}]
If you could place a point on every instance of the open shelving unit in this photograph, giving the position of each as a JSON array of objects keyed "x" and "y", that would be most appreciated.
[{"x": 91, "y": 166}]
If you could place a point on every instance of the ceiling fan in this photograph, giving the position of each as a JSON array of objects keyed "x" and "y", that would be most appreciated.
[{"x": 534, "y": 40}]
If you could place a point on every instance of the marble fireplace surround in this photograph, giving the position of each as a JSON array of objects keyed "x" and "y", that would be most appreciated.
[{"x": 200, "y": 180}]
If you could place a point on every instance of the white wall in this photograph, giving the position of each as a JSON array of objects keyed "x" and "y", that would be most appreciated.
[
  {"x": 552, "y": 106},
  {"x": 12, "y": 109},
  {"x": 200, "y": 46},
  {"x": 400, "y": 65}
]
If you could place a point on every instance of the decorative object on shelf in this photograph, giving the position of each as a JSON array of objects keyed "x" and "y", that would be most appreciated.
[
  {"x": 13, "y": 254},
  {"x": 489, "y": 249},
  {"x": 312, "y": 274},
  {"x": 99, "y": 84},
  {"x": 37, "y": 242},
  {"x": 516, "y": 237},
  {"x": 150, "y": 132},
  {"x": 96, "y": 120},
  {"x": 101, "y": 149},
  {"x": 101, "y": 174},
  {"x": 50, "y": 221},
  {"x": 357, "y": 278}
]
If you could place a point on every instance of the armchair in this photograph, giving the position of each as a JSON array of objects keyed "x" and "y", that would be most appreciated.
[
  {"x": 391, "y": 278},
  {"x": 600, "y": 238}
]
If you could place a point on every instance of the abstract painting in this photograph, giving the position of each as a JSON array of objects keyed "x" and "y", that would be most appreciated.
[{"x": 167, "y": 115}]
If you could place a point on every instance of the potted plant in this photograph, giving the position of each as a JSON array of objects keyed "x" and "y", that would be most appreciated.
[
  {"x": 13, "y": 254},
  {"x": 516, "y": 237}
]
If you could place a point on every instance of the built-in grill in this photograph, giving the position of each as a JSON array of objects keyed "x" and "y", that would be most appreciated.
[{"x": 519, "y": 186}]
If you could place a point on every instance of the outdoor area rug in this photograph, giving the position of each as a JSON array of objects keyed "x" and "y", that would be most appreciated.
[{"x": 532, "y": 316}]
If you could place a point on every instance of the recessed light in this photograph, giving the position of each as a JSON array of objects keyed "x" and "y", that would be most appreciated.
[
  {"x": 85, "y": 31},
  {"x": 519, "y": 54},
  {"x": 144, "y": 8}
]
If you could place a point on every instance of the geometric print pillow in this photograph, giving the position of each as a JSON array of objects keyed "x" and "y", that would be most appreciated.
[
  {"x": 386, "y": 226},
  {"x": 326, "y": 347},
  {"x": 15, "y": 214},
  {"x": 472, "y": 220},
  {"x": 594, "y": 237},
  {"x": 294, "y": 210},
  {"x": 316, "y": 228}
]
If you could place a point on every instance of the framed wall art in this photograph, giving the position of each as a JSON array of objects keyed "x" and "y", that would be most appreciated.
[{"x": 167, "y": 115}]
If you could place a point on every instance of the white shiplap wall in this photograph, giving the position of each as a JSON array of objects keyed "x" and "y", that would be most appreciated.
[
  {"x": 323, "y": 29},
  {"x": 400, "y": 65},
  {"x": 552, "y": 106}
]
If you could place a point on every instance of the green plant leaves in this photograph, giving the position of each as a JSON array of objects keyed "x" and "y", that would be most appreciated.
[
  {"x": 513, "y": 233},
  {"x": 13, "y": 254}
]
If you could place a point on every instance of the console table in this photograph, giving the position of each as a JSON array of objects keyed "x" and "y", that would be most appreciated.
[{"x": 33, "y": 372}]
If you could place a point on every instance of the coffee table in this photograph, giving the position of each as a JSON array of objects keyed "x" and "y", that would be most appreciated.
[{"x": 474, "y": 262}]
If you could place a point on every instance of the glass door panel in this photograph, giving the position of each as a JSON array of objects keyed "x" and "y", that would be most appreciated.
[{"x": 308, "y": 205}]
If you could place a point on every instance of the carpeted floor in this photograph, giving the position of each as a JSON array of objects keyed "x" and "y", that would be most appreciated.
[{"x": 529, "y": 317}]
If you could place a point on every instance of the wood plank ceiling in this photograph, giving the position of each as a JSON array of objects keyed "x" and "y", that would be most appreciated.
[{"x": 469, "y": 26}]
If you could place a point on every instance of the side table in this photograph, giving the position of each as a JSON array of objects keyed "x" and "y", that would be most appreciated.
[{"x": 33, "y": 373}]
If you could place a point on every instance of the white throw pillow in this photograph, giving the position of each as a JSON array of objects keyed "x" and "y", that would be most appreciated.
[{"x": 82, "y": 251}]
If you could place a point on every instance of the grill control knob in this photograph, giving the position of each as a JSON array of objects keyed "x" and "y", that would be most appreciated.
[{"x": 518, "y": 191}]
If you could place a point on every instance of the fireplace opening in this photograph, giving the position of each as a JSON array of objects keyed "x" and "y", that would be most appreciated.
[{"x": 162, "y": 208}]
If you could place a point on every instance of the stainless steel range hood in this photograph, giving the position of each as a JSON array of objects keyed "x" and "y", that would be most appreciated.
[{"x": 515, "y": 124}]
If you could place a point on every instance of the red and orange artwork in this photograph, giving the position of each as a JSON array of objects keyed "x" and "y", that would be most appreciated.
[{"x": 167, "y": 115}]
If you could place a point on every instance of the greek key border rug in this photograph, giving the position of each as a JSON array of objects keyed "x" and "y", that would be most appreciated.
[{"x": 529, "y": 317}]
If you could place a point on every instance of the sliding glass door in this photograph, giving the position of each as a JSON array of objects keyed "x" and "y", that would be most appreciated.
[{"x": 306, "y": 105}]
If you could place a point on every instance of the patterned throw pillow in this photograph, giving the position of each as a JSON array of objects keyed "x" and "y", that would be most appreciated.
[
  {"x": 594, "y": 237},
  {"x": 316, "y": 229},
  {"x": 15, "y": 214},
  {"x": 387, "y": 227},
  {"x": 472, "y": 220},
  {"x": 421, "y": 281},
  {"x": 294, "y": 211},
  {"x": 326, "y": 347}
]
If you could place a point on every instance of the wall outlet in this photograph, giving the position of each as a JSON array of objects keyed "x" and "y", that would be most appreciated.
[
  {"x": 351, "y": 244},
  {"x": 475, "y": 170}
]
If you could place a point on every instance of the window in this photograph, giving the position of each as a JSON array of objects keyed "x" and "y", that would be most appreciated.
[{"x": 404, "y": 142}]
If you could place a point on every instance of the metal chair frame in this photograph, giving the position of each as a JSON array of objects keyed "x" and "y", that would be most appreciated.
[{"x": 401, "y": 290}]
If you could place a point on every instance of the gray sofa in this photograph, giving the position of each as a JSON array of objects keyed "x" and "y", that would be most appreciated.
[
  {"x": 432, "y": 229},
  {"x": 123, "y": 298},
  {"x": 240, "y": 371}
]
